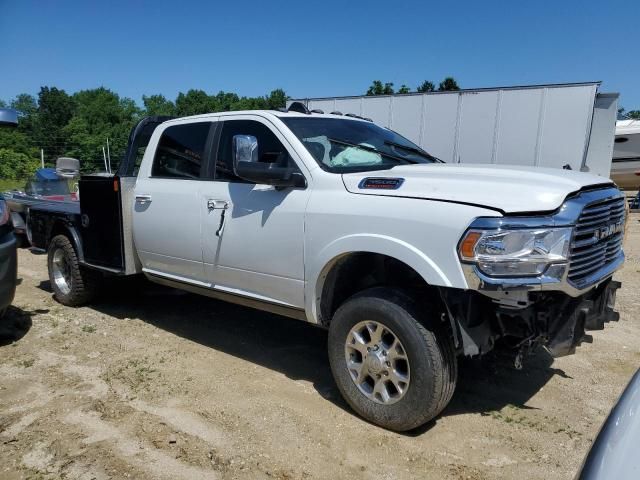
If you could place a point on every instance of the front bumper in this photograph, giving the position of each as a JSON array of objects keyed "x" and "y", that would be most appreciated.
[{"x": 8, "y": 269}]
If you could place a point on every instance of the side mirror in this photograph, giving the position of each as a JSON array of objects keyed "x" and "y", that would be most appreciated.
[
  {"x": 9, "y": 117},
  {"x": 247, "y": 165}
]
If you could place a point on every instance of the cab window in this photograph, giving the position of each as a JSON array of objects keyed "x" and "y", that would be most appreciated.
[
  {"x": 180, "y": 151},
  {"x": 270, "y": 149}
]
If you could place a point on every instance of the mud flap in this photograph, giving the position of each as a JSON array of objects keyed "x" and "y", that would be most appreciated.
[{"x": 567, "y": 331}]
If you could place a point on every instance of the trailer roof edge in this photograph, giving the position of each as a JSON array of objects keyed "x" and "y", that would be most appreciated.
[{"x": 464, "y": 90}]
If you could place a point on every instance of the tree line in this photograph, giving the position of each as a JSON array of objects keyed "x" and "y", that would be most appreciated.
[
  {"x": 79, "y": 124},
  {"x": 379, "y": 88}
]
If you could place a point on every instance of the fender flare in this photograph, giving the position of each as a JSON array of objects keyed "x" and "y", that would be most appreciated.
[
  {"x": 72, "y": 231},
  {"x": 402, "y": 251}
]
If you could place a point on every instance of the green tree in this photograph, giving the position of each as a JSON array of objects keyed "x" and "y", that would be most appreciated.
[
  {"x": 55, "y": 109},
  {"x": 27, "y": 105},
  {"x": 195, "y": 102},
  {"x": 404, "y": 89},
  {"x": 79, "y": 125},
  {"x": 276, "y": 99},
  {"x": 158, "y": 105},
  {"x": 376, "y": 88},
  {"x": 426, "y": 86},
  {"x": 15, "y": 165},
  {"x": 17, "y": 141},
  {"x": 633, "y": 114},
  {"x": 100, "y": 115},
  {"x": 448, "y": 84}
]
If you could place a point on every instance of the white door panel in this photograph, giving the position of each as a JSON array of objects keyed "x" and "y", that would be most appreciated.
[
  {"x": 260, "y": 249},
  {"x": 166, "y": 228}
]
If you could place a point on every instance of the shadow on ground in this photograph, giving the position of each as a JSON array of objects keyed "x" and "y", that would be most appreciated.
[
  {"x": 298, "y": 350},
  {"x": 15, "y": 324}
]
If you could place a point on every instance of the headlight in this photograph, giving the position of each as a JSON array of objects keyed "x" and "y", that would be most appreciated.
[{"x": 515, "y": 253}]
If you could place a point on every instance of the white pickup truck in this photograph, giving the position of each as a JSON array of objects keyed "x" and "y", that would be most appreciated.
[{"x": 408, "y": 262}]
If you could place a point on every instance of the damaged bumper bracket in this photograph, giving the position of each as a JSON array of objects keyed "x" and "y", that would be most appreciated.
[{"x": 590, "y": 312}]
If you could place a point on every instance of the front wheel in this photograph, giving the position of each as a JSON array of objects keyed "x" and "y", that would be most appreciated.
[
  {"x": 395, "y": 366},
  {"x": 72, "y": 284}
]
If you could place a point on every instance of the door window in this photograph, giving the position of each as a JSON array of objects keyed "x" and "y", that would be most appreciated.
[
  {"x": 180, "y": 151},
  {"x": 270, "y": 149}
]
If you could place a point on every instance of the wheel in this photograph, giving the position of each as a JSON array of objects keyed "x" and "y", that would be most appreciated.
[
  {"x": 396, "y": 367},
  {"x": 72, "y": 284},
  {"x": 27, "y": 228}
]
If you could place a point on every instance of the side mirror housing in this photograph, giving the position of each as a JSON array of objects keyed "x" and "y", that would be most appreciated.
[
  {"x": 247, "y": 165},
  {"x": 8, "y": 117}
]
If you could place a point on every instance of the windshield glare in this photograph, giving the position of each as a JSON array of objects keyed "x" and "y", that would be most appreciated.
[{"x": 341, "y": 145}]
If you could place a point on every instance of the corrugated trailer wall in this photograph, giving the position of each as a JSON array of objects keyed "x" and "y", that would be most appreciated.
[{"x": 547, "y": 126}]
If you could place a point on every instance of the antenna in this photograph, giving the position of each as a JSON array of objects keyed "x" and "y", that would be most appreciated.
[
  {"x": 108, "y": 155},
  {"x": 104, "y": 156}
]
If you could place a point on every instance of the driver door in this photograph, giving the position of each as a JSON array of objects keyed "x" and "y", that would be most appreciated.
[{"x": 253, "y": 236}]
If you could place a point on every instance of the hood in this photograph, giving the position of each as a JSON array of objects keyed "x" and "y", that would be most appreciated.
[{"x": 510, "y": 189}]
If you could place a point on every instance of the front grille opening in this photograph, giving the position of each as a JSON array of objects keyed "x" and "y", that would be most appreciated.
[{"x": 591, "y": 249}]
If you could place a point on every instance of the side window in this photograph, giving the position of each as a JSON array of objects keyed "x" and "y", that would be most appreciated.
[
  {"x": 270, "y": 149},
  {"x": 180, "y": 151}
]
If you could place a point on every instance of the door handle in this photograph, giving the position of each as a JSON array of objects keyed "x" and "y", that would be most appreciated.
[
  {"x": 143, "y": 199},
  {"x": 213, "y": 204}
]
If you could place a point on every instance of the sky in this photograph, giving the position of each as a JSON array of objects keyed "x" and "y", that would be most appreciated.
[{"x": 315, "y": 49}]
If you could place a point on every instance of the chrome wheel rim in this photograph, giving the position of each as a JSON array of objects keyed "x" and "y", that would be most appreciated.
[
  {"x": 377, "y": 362},
  {"x": 61, "y": 271}
]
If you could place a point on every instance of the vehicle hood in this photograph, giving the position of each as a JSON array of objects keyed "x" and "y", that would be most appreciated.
[{"x": 510, "y": 189}]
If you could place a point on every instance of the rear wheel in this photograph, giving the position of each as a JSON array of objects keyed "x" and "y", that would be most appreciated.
[
  {"x": 396, "y": 367},
  {"x": 72, "y": 284}
]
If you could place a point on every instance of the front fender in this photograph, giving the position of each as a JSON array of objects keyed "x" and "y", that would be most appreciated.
[{"x": 319, "y": 267}]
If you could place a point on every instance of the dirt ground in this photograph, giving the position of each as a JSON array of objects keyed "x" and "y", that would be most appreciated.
[{"x": 154, "y": 383}]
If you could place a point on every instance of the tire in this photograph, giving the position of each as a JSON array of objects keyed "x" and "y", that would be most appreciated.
[
  {"x": 427, "y": 378},
  {"x": 72, "y": 284},
  {"x": 22, "y": 241}
]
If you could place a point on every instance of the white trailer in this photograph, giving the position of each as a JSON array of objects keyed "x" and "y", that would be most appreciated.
[{"x": 561, "y": 125}]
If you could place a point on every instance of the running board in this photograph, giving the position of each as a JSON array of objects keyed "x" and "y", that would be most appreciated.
[{"x": 270, "y": 307}]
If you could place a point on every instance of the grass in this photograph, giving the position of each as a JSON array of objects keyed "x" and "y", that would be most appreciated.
[
  {"x": 89, "y": 328},
  {"x": 27, "y": 363},
  {"x": 11, "y": 184},
  {"x": 136, "y": 372},
  {"x": 514, "y": 415}
]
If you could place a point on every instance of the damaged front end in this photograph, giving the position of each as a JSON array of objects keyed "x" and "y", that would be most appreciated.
[
  {"x": 527, "y": 320},
  {"x": 540, "y": 281}
]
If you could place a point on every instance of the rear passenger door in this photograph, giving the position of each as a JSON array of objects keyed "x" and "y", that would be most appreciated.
[{"x": 166, "y": 212}]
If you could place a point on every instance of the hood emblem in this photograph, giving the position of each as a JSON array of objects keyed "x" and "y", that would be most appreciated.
[{"x": 381, "y": 183}]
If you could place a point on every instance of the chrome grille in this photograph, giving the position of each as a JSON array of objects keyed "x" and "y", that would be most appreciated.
[{"x": 590, "y": 252}]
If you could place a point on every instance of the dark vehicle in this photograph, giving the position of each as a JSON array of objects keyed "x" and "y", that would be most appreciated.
[
  {"x": 613, "y": 453},
  {"x": 8, "y": 259},
  {"x": 8, "y": 253},
  {"x": 47, "y": 185}
]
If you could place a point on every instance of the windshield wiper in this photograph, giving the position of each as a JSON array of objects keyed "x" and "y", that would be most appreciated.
[
  {"x": 409, "y": 148},
  {"x": 367, "y": 148}
]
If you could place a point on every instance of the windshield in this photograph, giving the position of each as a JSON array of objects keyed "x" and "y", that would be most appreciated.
[
  {"x": 341, "y": 146},
  {"x": 48, "y": 187}
]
